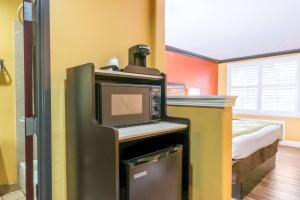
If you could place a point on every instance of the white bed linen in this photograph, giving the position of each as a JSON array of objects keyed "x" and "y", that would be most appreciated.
[{"x": 243, "y": 146}]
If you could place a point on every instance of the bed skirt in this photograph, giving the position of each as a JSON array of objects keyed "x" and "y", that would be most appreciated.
[
  {"x": 242, "y": 167},
  {"x": 248, "y": 172}
]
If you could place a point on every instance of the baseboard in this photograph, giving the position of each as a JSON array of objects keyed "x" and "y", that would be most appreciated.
[{"x": 290, "y": 143}]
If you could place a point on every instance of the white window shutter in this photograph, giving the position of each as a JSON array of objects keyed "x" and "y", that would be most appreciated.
[
  {"x": 244, "y": 84},
  {"x": 270, "y": 86},
  {"x": 279, "y": 87}
]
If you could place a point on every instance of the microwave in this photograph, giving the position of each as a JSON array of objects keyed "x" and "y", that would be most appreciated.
[{"x": 127, "y": 104}]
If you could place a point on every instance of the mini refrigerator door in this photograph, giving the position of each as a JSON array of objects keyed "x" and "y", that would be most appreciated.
[{"x": 155, "y": 176}]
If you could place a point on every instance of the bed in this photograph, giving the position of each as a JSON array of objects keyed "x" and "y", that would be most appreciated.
[{"x": 254, "y": 148}]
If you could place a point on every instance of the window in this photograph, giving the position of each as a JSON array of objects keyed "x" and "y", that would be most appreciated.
[{"x": 266, "y": 87}]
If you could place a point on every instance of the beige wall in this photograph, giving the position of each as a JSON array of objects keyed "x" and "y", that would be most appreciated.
[
  {"x": 211, "y": 155},
  {"x": 8, "y": 162},
  {"x": 93, "y": 31},
  {"x": 292, "y": 124}
]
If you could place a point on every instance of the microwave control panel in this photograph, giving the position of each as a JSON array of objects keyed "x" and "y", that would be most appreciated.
[{"x": 155, "y": 102}]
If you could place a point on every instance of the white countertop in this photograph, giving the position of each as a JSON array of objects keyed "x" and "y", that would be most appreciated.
[
  {"x": 148, "y": 130},
  {"x": 202, "y": 101}
]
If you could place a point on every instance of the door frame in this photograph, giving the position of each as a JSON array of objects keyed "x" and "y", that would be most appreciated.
[
  {"x": 43, "y": 97},
  {"x": 38, "y": 98}
]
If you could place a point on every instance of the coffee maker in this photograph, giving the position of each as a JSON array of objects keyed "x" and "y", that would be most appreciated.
[
  {"x": 138, "y": 55},
  {"x": 137, "y": 60}
]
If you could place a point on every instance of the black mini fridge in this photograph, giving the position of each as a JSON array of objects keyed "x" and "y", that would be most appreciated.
[{"x": 154, "y": 176}]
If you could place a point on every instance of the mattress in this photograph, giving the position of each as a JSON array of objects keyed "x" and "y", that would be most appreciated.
[{"x": 245, "y": 145}]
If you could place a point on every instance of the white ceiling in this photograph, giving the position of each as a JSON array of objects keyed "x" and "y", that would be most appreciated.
[{"x": 225, "y": 29}]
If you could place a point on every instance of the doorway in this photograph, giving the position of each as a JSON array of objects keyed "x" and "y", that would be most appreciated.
[{"x": 25, "y": 157}]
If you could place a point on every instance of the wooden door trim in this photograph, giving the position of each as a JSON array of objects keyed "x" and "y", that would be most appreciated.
[
  {"x": 29, "y": 113},
  {"x": 38, "y": 99}
]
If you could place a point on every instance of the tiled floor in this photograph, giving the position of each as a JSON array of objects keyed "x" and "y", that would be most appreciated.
[{"x": 18, "y": 195}]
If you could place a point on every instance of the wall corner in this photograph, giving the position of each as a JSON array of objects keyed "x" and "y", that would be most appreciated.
[{"x": 158, "y": 34}]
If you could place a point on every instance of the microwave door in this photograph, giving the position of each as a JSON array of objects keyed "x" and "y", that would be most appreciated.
[{"x": 125, "y": 104}]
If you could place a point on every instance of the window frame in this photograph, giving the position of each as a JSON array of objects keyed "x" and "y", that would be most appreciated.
[{"x": 260, "y": 63}]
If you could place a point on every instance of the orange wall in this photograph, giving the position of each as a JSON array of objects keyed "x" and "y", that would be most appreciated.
[{"x": 193, "y": 72}]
